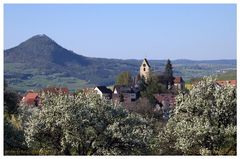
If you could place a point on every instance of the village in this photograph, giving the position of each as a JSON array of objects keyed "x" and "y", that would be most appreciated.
[
  {"x": 130, "y": 96},
  {"x": 119, "y": 79}
]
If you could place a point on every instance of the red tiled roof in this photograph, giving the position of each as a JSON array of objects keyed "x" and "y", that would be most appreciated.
[
  {"x": 178, "y": 79},
  {"x": 225, "y": 82},
  {"x": 29, "y": 98}
]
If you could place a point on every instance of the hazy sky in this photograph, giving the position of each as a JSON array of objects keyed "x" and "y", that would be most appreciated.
[{"x": 128, "y": 31}]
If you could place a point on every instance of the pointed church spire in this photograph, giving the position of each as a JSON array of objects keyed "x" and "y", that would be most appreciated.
[{"x": 145, "y": 69}]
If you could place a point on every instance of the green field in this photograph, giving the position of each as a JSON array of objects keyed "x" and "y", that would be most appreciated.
[
  {"x": 41, "y": 81},
  {"x": 229, "y": 75}
]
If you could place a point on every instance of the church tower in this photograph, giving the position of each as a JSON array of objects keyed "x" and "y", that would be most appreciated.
[{"x": 145, "y": 69}]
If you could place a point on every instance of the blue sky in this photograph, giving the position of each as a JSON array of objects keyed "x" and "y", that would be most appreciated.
[{"x": 130, "y": 31}]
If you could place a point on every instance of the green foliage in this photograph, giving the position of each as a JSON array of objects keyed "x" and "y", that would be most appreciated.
[
  {"x": 203, "y": 122},
  {"x": 11, "y": 100},
  {"x": 121, "y": 98},
  {"x": 87, "y": 125},
  {"x": 125, "y": 78},
  {"x": 168, "y": 74},
  {"x": 13, "y": 137},
  {"x": 153, "y": 86},
  {"x": 142, "y": 84}
]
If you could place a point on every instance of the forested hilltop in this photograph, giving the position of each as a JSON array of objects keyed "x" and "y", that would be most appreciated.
[{"x": 39, "y": 62}]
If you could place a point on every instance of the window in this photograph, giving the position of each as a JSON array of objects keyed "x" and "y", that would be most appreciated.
[
  {"x": 144, "y": 69},
  {"x": 144, "y": 65}
]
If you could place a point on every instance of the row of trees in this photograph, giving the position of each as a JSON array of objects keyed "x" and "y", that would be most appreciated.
[{"x": 202, "y": 123}]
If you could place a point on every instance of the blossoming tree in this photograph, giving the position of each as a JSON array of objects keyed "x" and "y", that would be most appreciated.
[
  {"x": 86, "y": 125},
  {"x": 203, "y": 121}
]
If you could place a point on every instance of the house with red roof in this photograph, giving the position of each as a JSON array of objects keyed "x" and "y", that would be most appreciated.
[
  {"x": 227, "y": 82},
  {"x": 31, "y": 99},
  {"x": 179, "y": 83}
]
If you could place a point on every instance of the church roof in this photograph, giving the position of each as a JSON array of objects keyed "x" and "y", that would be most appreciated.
[{"x": 146, "y": 62}]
